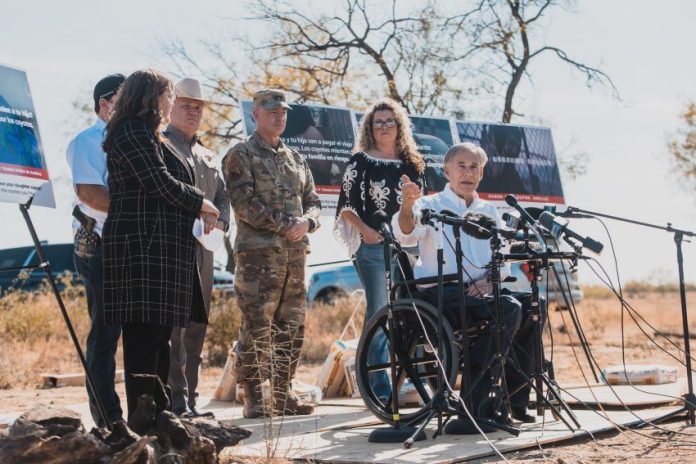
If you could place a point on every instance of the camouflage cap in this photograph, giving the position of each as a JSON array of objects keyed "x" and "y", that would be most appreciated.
[{"x": 270, "y": 99}]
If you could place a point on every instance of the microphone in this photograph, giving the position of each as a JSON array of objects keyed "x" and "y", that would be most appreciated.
[
  {"x": 569, "y": 213},
  {"x": 526, "y": 218},
  {"x": 523, "y": 247},
  {"x": 512, "y": 220},
  {"x": 558, "y": 226},
  {"x": 382, "y": 221},
  {"x": 524, "y": 214},
  {"x": 476, "y": 225}
]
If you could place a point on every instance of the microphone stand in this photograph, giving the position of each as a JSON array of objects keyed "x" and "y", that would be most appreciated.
[
  {"x": 440, "y": 404},
  {"x": 464, "y": 424},
  {"x": 539, "y": 377},
  {"x": 398, "y": 433},
  {"x": 689, "y": 398}
]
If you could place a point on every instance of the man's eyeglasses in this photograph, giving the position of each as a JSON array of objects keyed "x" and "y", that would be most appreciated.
[{"x": 380, "y": 124}]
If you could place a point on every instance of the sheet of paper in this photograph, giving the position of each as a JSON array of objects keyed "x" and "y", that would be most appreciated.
[{"x": 212, "y": 241}]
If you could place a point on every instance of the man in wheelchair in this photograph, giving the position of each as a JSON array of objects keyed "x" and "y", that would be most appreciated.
[{"x": 463, "y": 166}]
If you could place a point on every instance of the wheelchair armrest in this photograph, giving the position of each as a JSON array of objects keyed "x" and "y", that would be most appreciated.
[{"x": 422, "y": 281}]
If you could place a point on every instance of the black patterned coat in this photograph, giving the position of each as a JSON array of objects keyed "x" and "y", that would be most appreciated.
[{"x": 150, "y": 274}]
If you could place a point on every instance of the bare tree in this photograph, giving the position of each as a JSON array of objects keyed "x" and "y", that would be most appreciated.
[
  {"x": 401, "y": 49},
  {"x": 682, "y": 146},
  {"x": 500, "y": 33}
]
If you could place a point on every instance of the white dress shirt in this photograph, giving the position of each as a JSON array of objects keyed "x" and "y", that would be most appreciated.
[{"x": 477, "y": 252}]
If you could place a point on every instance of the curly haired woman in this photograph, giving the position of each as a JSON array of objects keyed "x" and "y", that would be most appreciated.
[{"x": 384, "y": 153}]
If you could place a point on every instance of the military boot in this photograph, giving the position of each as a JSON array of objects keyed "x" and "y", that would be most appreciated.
[
  {"x": 287, "y": 404},
  {"x": 254, "y": 406}
]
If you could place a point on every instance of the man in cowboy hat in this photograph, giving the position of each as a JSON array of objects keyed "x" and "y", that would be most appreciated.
[{"x": 181, "y": 137}]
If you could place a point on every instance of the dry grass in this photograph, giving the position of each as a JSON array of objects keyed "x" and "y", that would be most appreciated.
[
  {"x": 601, "y": 320},
  {"x": 34, "y": 338}
]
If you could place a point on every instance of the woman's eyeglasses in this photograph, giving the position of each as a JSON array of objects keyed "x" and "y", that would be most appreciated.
[{"x": 381, "y": 124}]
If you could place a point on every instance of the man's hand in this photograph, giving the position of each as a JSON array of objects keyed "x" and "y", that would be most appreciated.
[
  {"x": 480, "y": 288},
  {"x": 410, "y": 192},
  {"x": 297, "y": 229},
  {"x": 209, "y": 222}
]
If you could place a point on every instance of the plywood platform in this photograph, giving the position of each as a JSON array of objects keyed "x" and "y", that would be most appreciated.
[
  {"x": 618, "y": 396},
  {"x": 339, "y": 429}
]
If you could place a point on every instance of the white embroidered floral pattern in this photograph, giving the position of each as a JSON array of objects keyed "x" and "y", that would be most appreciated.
[
  {"x": 349, "y": 177},
  {"x": 379, "y": 193}
]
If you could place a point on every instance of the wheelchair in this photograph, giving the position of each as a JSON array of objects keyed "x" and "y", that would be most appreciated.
[{"x": 415, "y": 350}]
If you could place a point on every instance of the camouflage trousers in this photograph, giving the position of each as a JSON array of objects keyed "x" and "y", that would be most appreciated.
[{"x": 270, "y": 289}]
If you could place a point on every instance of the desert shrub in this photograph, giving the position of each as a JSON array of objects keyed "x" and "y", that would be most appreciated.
[
  {"x": 223, "y": 328},
  {"x": 324, "y": 324},
  {"x": 34, "y": 336}
]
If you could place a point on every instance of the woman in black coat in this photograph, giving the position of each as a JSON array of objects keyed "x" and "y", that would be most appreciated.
[{"x": 150, "y": 279}]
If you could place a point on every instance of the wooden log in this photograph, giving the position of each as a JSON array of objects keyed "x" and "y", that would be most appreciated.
[
  {"x": 140, "y": 452},
  {"x": 227, "y": 388},
  {"x": 53, "y": 380},
  {"x": 222, "y": 433}
]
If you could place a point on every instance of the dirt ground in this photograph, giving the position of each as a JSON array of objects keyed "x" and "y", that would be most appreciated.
[{"x": 601, "y": 321}]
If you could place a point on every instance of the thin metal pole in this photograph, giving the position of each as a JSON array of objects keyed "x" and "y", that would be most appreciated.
[{"x": 46, "y": 266}]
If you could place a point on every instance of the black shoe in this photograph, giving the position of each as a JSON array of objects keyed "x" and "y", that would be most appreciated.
[
  {"x": 194, "y": 412},
  {"x": 521, "y": 415}
]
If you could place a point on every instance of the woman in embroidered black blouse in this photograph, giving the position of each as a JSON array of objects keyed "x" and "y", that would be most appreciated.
[{"x": 385, "y": 152}]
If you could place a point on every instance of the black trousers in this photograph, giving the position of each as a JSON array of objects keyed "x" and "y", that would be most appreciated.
[
  {"x": 145, "y": 351},
  {"x": 517, "y": 339},
  {"x": 523, "y": 349}
]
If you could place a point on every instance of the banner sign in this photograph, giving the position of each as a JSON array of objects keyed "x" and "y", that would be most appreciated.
[
  {"x": 23, "y": 172},
  {"x": 521, "y": 161}
]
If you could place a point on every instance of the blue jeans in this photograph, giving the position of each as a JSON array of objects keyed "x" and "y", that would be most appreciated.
[
  {"x": 369, "y": 262},
  {"x": 102, "y": 340}
]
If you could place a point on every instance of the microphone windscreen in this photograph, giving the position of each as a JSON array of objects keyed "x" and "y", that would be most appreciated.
[
  {"x": 481, "y": 219},
  {"x": 511, "y": 200},
  {"x": 520, "y": 247},
  {"x": 380, "y": 216},
  {"x": 535, "y": 212}
]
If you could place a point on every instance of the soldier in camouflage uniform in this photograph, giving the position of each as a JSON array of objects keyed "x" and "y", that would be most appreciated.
[{"x": 272, "y": 193}]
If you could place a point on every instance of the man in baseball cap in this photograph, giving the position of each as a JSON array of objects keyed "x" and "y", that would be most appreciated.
[
  {"x": 272, "y": 192},
  {"x": 87, "y": 162},
  {"x": 270, "y": 99}
]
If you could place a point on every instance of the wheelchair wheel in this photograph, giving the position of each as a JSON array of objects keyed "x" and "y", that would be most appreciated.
[{"x": 416, "y": 365}]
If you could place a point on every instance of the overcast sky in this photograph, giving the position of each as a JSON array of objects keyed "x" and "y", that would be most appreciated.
[{"x": 66, "y": 46}]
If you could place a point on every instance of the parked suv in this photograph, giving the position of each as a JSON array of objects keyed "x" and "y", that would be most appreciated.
[{"x": 59, "y": 255}]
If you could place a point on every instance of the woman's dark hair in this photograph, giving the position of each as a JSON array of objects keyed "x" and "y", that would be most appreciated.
[{"x": 139, "y": 99}]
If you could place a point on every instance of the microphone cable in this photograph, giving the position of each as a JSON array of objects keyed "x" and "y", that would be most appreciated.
[
  {"x": 602, "y": 411},
  {"x": 613, "y": 390},
  {"x": 441, "y": 367}
]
